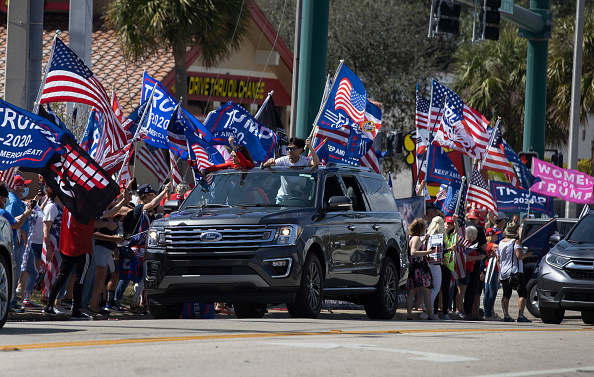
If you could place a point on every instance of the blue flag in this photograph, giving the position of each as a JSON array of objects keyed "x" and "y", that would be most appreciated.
[
  {"x": 511, "y": 199},
  {"x": 539, "y": 241},
  {"x": 93, "y": 140},
  {"x": 448, "y": 205},
  {"x": 233, "y": 120},
  {"x": 203, "y": 153},
  {"x": 524, "y": 174},
  {"x": 26, "y": 139},
  {"x": 440, "y": 168},
  {"x": 161, "y": 111}
]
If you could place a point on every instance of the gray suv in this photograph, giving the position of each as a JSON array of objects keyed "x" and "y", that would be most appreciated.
[
  {"x": 7, "y": 268},
  {"x": 279, "y": 235},
  {"x": 566, "y": 279}
]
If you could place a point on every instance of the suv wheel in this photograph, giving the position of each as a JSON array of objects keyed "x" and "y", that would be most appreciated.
[
  {"x": 165, "y": 311},
  {"x": 384, "y": 302},
  {"x": 588, "y": 317},
  {"x": 4, "y": 290},
  {"x": 310, "y": 296},
  {"x": 249, "y": 309},
  {"x": 532, "y": 302},
  {"x": 554, "y": 316}
]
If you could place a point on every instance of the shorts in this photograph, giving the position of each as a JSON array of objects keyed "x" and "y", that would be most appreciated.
[
  {"x": 521, "y": 288},
  {"x": 36, "y": 249},
  {"x": 102, "y": 255},
  {"x": 465, "y": 280}
]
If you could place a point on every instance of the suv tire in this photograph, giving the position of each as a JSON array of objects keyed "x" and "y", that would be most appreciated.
[
  {"x": 384, "y": 302},
  {"x": 532, "y": 301},
  {"x": 310, "y": 296},
  {"x": 553, "y": 316},
  {"x": 249, "y": 309},
  {"x": 165, "y": 311},
  {"x": 4, "y": 290},
  {"x": 588, "y": 317}
]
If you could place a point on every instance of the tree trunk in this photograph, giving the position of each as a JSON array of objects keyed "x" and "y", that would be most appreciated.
[{"x": 181, "y": 77}]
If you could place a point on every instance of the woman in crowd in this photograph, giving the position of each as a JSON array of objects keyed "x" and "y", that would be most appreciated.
[
  {"x": 240, "y": 159},
  {"x": 419, "y": 273},
  {"x": 436, "y": 228},
  {"x": 447, "y": 266}
]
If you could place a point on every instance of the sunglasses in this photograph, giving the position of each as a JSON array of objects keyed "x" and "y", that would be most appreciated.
[{"x": 292, "y": 149}]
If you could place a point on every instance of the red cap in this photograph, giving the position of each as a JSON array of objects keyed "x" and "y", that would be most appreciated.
[
  {"x": 474, "y": 214},
  {"x": 19, "y": 181},
  {"x": 449, "y": 219},
  {"x": 491, "y": 231}
]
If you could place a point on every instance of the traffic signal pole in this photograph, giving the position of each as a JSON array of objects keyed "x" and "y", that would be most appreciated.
[{"x": 534, "y": 25}]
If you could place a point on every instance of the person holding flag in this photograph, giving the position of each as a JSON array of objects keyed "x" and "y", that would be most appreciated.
[
  {"x": 240, "y": 159},
  {"x": 295, "y": 148}
]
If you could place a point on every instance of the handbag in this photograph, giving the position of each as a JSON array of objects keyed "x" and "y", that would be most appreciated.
[{"x": 514, "y": 277}]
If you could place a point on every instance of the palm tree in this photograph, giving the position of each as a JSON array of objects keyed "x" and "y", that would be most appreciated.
[{"x": 217, "y": 27}]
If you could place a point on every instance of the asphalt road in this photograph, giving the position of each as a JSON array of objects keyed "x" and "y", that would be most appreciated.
[{"x": 338, "y": 343}]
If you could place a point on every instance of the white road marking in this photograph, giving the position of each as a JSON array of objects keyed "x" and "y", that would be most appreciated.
[
  {"x": 541, "y": 372},
  {"x": 417, "y": 355}
]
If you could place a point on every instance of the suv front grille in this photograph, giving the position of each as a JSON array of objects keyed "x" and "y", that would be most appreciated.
[
  {"x": 581, "y": 275},
  {"x": 241, "y": 241}
]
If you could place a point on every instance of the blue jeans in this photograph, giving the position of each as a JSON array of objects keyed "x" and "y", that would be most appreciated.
[
  {"x": 490, "y": 295},
  {"x": 122, "y": 285},
  {"x": 19, "y": 250},
  {"x": 34, "y": 255}
]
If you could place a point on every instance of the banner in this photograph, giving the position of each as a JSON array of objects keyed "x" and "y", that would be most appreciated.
[
  {"x": 440, "y": 168},
  {"x": 233, "y": 120},
  {"x": 26, "y": 139},
  {"x": 448, "y": 205},
  {"x": 410, "y": 209},
  {"x": 511, "y": 199},
  {"x": 570, "y": 185}
]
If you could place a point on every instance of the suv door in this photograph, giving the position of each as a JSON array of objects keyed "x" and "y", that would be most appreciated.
[
  {"x": 340, "y": 239},
  {"x": 371, "y": 241}
]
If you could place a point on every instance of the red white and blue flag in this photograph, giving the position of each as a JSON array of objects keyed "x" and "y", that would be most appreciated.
[
  {"x": 479, "y": 195},
  {"x": 154, "y": 161},
  {"x": 496, "y": 160},
  {"x": 350, "y": 100},
  {"x": 8, "y": 177}
]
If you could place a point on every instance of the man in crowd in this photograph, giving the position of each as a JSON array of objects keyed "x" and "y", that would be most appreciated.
[
  {"x": 16, "y": 207},
  {"x": 294, "y": 158},
  {"x": 473, "y": 291}
]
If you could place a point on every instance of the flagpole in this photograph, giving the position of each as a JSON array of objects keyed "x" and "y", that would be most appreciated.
[
  {"x": 264, "y": 104},
  {"x": 49, "y": 62},
  {"x": 150, "y": 101},
  {"x": 325, "y": 97},
  {"x": 431, "y": 133}
]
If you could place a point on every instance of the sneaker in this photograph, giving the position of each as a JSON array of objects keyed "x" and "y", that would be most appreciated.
[
  {"x": 67, "y": 304},
  {"x": 424, "y": 315},
  {"x": 491, "y": 318},
  {"x": 51, "y": 311},
  {"x": 508, "y": 319},
  {"x": 523, "y": 319},
  {"x": 446, "y": 317},
  {"x": 114, "y": 308},
  {"x": 79, "y": 315},
  {"x": 30, "y": 304},
  {"x": 226, "y": 310}
]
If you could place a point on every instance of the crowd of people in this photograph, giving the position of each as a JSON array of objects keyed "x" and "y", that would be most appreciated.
[{"x": 491, "y": 253}]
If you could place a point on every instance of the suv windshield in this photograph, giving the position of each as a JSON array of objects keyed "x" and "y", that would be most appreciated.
[
  {"x": 255, "y": 188},
  {"x": 583, "y": 231}
]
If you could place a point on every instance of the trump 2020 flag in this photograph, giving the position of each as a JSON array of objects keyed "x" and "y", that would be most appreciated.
[
  {"x": 233, "y": 120},
  {"x": 26, "y": 139},
  {"x": 82, "y": 185}
]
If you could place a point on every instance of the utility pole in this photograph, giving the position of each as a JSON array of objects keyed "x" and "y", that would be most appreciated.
[
  {"x": 296, "y": 64},
  {"x": 16, "y": 85},
  {"x": 80, "y": 25}
]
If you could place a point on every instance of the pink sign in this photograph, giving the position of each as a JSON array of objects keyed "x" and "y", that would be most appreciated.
[{"x": 570, "y": 185}]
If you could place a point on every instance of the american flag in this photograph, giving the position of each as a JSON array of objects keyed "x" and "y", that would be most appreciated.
[
  {"x": 153, "y": 159},
  {"x": 349, "y": 100},
  {"x": 369, "y": 160},
  {"x": 479, "y": 194},
  {"x": 175, "y": 176},
  {"x": 495, "y": 159},
  {"x": 7, "y": 176},
  {"x": 124, "y": 122},
  {"x": 422, "y": 112},
  {"x": 337, "y": 136},
  {"x": 442, "y": 194},
  {"x": 473, "y": 123},
  {"x": 125, "y": 176},
  {"x": 70, "y": 80},
  {"x": 202, "y": 160}
]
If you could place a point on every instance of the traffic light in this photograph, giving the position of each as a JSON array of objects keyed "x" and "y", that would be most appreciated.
[
  {"x": 557, "y": 159},
  {"x": 527, "y": 157},
  {"x": 446, "y": 17},
  {"x": 394, "y": 143},
  {"x": 489, "y": 19}
]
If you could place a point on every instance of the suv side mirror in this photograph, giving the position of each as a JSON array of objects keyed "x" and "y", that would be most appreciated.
[
  {"x": 171, "y": 205},
  {"x": 341, "y": 203},
  {"x": 555, "y": 238}
]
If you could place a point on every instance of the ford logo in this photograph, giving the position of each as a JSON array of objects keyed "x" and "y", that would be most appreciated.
[{"x": 211, "y": 237}]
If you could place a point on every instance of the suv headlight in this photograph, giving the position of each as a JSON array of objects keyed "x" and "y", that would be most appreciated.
[
  {"x": 156, "y": 238},
  {"x": 286, "y": 234},
  {"x": 556, "y": 260}
]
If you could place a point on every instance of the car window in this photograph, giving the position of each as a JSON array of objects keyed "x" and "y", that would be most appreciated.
[
  {"x": 380, "y": 197},
  {"x": 354, "y": 192},
  {"x": 332, "y": 188},
  {"x": 583, "y": 231}
]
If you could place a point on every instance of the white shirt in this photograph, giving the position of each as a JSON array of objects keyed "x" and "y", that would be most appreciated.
[
  {"x": 284, "y": 161},
  {"x": 508, "y": 261},
  {"x": 50, "y": 212},
  {"x": 37, "y": 236},
  {"x": 288, "y": 183}
]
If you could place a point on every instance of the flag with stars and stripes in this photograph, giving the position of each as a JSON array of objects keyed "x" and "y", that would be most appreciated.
[
  {"x": 70, "y": 80},
  {"x": 7, "y": 176},
  {"x": 422, "y": 113},
  {"x": 496, "y": 160},
  {"x": 154, "y": 161},
  {"x": 479, "y": 195},
  {"x": 459, "y": 126}
]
